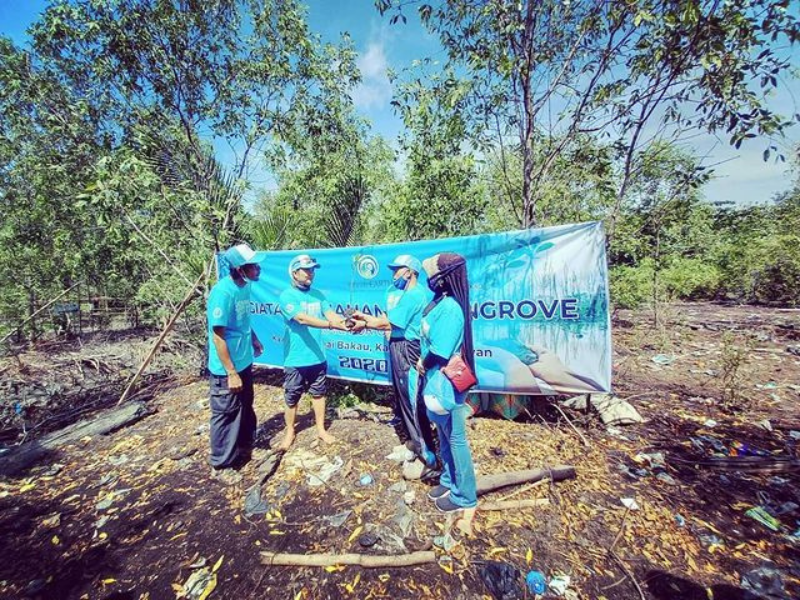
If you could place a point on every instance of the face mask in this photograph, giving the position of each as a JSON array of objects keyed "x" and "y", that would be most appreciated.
[
  {"x": 435, "y": 284},
  {"x": 400, "y": 283}
]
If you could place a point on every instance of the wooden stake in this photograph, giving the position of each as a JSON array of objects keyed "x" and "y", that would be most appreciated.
[
  {"x": 362, "y": 560},
  {"x": 181, "y": 307}
]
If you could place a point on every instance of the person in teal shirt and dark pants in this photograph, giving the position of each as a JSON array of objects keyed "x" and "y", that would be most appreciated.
[
  {"x": 306, "y": 312},
  {"x": 446, "y": 330},
  {"x": 405, "y": 301},
  {"x": 231, "y": 346}
]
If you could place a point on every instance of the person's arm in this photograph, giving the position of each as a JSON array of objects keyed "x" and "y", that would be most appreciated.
[
  {"x": 234, "y": 381},
  {"x": 258, "y": 349},
  {"x": 336, "y": 321}
]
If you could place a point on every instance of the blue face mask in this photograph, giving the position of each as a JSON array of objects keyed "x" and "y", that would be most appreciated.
[{"x": 400, "y": 283}]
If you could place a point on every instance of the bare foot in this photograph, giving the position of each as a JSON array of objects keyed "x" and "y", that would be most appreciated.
[
  {"x": 288, "y": 440},
  {"x": 326, "y": 437}
]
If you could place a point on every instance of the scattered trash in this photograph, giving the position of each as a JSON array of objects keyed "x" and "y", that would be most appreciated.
[
  {"x": 118, "y": 460},
  {"x": 200, "y": 584},
  {"x": 536, "y": 582},
  {"x": 764, "y": 581},
  {"x": 101, "y": 522},
  {"x": 795, "y": 435},
  {"x": 786, "y": 508},
  {"x": 368, "y": 540},
  {"x": 409, "y": 497},
  {"x": 52, "y": 521},
  {"x": 680, "y": 520},
  {"x": 338, "y": 519},
  {"x": 400, "y": 454},
  {"x": 629, "y": 503},
  {"x": 711, "y": 540},
  {"x": 655, "y": 460},
  {"x": 413, "y": 469},
  {"x": 710, "y": 423},
  {"x": 741, "y": 449},
  {"x": 445, "y": 542},
  {"x": 106, "y": 502},
  {"x": 365, "y": 480},
  {"x": 318, "y": 468},
  {"x": 501, "y": 579},
  {"x": 700, "y": 442},
  {"x": 666, "y": 478},
  {"x": 765, "y": 424},
  {"x": 633, "y": 473},
  {"x": 284, "y": 487},
  {"x": 400, "y": 487},
  {"x": 663, "y": 359},
  {"x": 793, "y": 350},
  {"x": 614, "y": 411},
  {"x": 559, "y": 584},
  {"x": 760, "y": 515},
  {"x": 403, "y": 518},
  {"x": 254, "y": 504}
]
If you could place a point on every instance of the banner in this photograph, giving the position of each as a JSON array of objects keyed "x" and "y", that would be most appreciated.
[{"x": 539, "y": 303}]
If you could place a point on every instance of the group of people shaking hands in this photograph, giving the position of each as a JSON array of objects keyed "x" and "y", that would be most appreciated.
[{"x": 425, "y": 330}]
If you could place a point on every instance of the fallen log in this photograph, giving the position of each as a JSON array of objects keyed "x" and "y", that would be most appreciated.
[
  {"x": 362, "y": 560},
  {"x": 30, "y": 452},
  {"x": 490, "y": 483},
  {"x": 514, "y": 504}
]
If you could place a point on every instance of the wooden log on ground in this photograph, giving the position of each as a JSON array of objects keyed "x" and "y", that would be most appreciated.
[
  {"x": 490, "y": 483},
  {"x": 30, "y": 452},
  {"x": 514, "y": 504},
  {"x": 361, "y": 560}
]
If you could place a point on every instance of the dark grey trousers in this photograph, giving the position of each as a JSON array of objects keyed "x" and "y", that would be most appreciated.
[
  {"x": 404, "y": 355},
  {"x": 233, "y": 420}
]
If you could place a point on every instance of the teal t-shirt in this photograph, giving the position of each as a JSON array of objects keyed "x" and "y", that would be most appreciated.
[
  {"x": 441, "y": 332},
  {"x": 404, "y": 311},
  {"x": 229, "y": 307},
  {"x": 302, "y": 344}
]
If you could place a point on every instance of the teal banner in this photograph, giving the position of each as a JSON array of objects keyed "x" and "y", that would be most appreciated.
[{"x": 539, "y": 303}]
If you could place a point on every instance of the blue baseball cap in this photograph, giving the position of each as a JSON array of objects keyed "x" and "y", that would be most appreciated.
[
  {"x": 408, "y": 261},
  {"x": 303, "y": 261},
  {"x": 240, "y": 255}
]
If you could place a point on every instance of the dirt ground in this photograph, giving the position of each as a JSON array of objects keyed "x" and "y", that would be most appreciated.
[{"x": 136, "y": 514}]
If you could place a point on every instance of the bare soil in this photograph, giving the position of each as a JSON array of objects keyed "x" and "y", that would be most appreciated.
[{"x": 136, "y": 513}]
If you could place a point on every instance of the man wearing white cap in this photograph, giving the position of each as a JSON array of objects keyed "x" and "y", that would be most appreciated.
[
  {"x": 405, "y": 302},
  {"x": 307, "y": 312},
  {"x": 231, "y": 346}
]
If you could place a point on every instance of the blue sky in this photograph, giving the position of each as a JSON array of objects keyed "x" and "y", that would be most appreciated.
[{"x": 743, "y": 177}]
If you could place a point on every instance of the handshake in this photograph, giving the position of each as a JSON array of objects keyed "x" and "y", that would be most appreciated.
[{"x": 355, "y": 321}]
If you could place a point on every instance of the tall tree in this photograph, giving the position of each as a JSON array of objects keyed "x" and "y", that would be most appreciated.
[{"x": 544, "y": 73}]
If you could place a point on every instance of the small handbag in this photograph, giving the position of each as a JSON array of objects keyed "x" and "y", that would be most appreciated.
[{"x": 459, "y": 373}]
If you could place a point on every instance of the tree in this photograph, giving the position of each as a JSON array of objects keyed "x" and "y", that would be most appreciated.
[{"x": 545, "y": 73}]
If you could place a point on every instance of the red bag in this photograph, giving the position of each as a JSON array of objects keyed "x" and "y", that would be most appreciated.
[{"x": 459, "y": 374}]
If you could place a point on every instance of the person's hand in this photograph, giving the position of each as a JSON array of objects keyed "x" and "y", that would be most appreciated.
[
  {"x": 359, "y": 316},
  {"x": 234, "y": 382},
  {"x": 358, "y": 327},
  {"x": 258, "y": 349},
  {"x": 339, "y": 325}
]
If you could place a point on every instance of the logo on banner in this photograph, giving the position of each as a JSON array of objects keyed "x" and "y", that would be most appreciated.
[{"x": 366, "y": 265}]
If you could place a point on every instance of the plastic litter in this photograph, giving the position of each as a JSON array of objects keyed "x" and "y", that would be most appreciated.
[
  {"x": 629, "y": 503},
  {"x": 760, "y": 515},
  {"x": 366, "y": 480},
  {"x": 400, "y": 454},
  {"x": 765, "y": 424},
  {"x": 795, "y": 435},
  {"x": 741, "y": 449},
  {"x": 711, "y": 540},
  {"x": 254, "y": 504},
  {"x": 559, "y": 584},
  {"x": 536, "y": 582},
  {"x": 680, "y": 520},
  {"x": 338, "y": 519},
  {"x": 667, "y": 478},
  {"x": 663, "y": 359},
  {"x": 446, "y": 542},
  {"x": 501, "y": 579},
  {"x": 654, "y": 460},
  {"x": 710, "y": 423},
  {"x": 765, "y": 581},
  {"x": 368, "y": 540}
]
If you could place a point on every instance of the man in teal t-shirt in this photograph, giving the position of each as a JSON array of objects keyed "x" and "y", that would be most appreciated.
[
  {"x": 231, "y": 346},
  {"x": 405, "y": 302},
  {"x": 307, "y": 312}
]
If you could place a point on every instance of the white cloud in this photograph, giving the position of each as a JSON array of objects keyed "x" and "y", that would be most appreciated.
[{"x": 375, "y": 90}]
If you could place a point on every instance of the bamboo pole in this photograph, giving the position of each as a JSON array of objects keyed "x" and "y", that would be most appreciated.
[
  {"x": 362, "y": 560},
  {"x": 61, "y": 295},
  {"x": 167, "y": 328}
]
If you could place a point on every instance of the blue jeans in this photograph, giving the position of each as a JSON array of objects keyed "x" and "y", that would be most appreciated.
[{"x": 458, "y": 474}]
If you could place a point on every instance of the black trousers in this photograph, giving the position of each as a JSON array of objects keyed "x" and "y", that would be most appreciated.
[
  {"x": 233, "y": 420},
  {"x": 404, "y": 355}
]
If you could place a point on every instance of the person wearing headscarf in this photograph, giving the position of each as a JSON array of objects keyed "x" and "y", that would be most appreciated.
[{"x": 446, "y": 331}]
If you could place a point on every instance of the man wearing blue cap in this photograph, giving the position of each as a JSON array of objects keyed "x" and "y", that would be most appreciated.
[
  {"x": 231, "y": 346},
  {"x": 405, "y": 302},
  {"x": 307, "y": 312}
]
